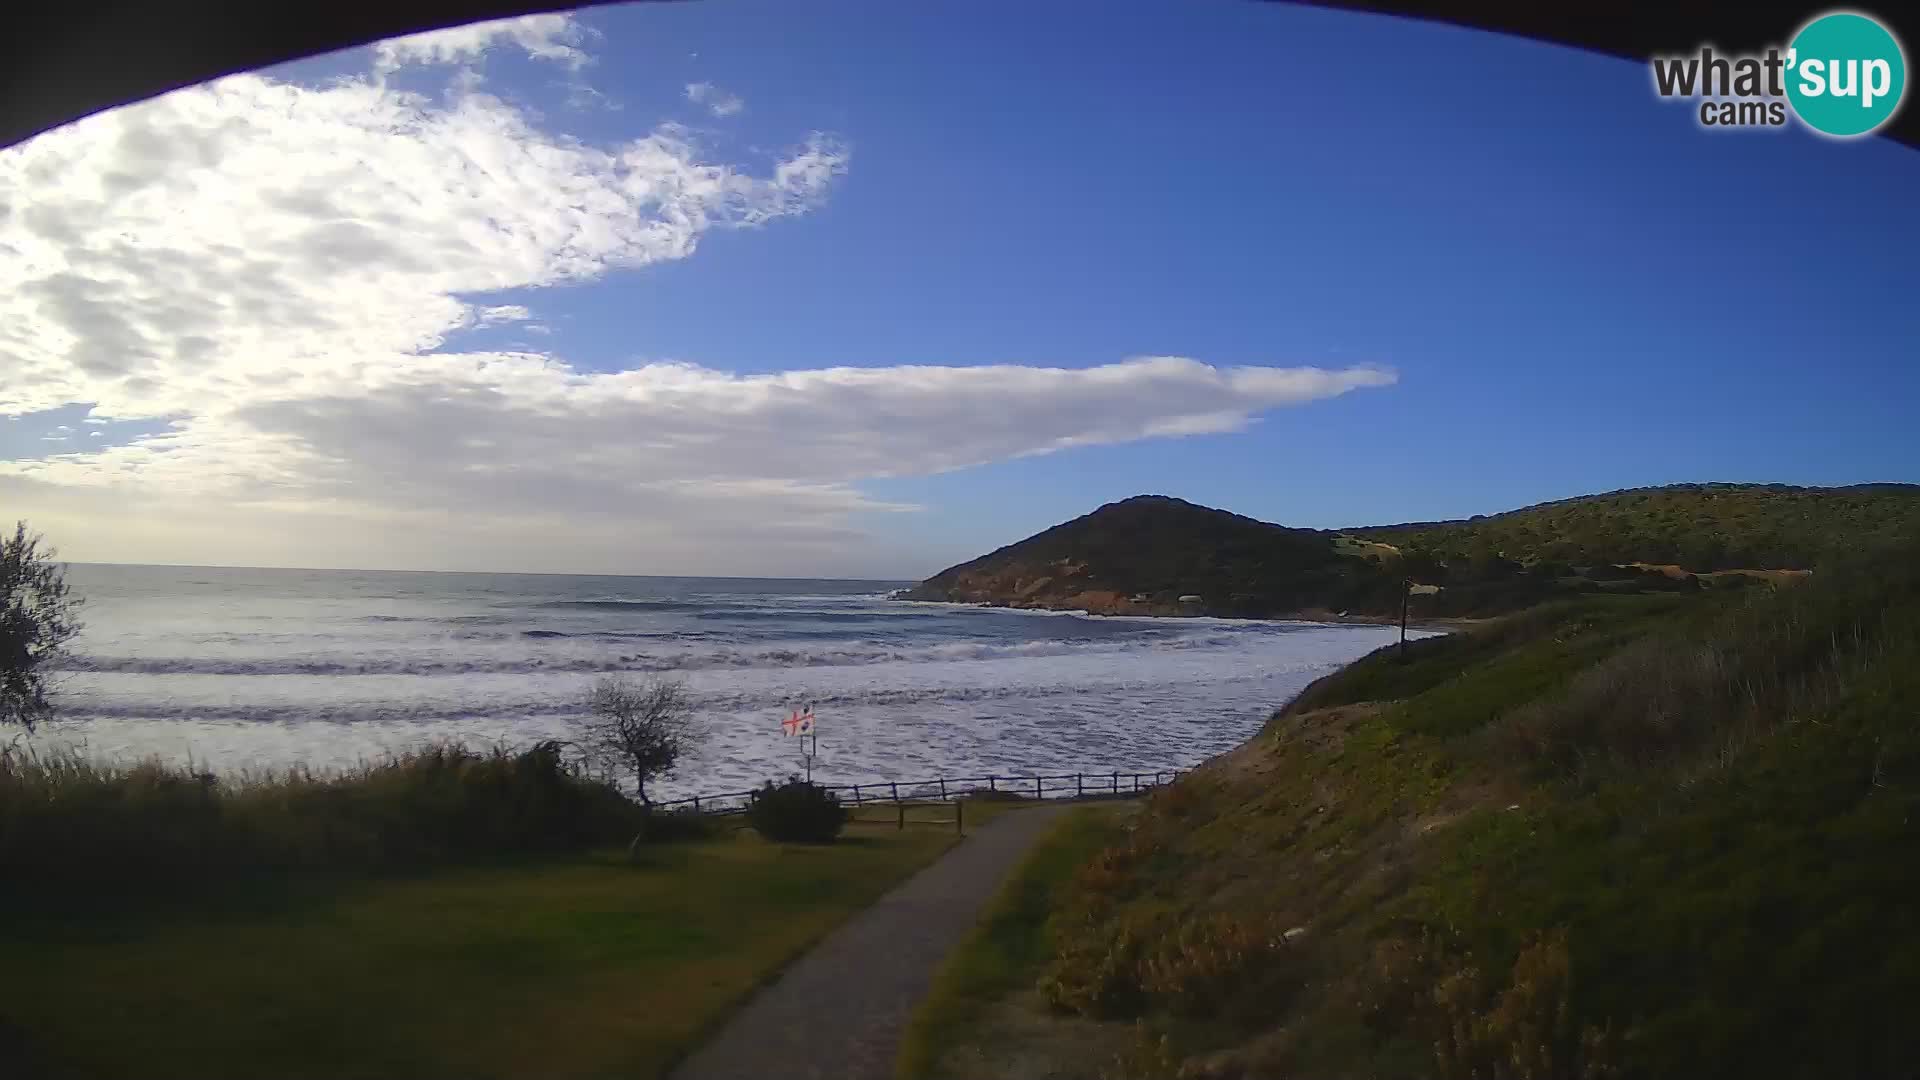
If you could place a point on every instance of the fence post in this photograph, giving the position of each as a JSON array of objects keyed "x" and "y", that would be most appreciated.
[
  {"x": 856, "y": 794},
  {"x": 902, "y": 807},
  {"x": 1116, "y": 782},
  {"x": 943, "y": 789},
  {"x": 959, "y": 814},
  {"x": 696, "y": 804},
  {"x": 993, "y": 783},
  {"x": 896, "y": 790},
  {"x": 1079, "y": 785},
  {"x": 1136, "y": 783},
  {"x": 1036, "y": 789}
]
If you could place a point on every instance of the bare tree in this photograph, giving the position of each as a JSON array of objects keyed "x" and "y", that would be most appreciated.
[
  {"x": 36, "y": 622},
  {"x": 642, "y": 729}
]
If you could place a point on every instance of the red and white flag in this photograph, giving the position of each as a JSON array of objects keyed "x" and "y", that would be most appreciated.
[{"x": 800, "y": 722}]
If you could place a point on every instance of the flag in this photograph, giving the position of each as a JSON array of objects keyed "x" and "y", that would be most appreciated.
[{"x": 799, "y": 722}]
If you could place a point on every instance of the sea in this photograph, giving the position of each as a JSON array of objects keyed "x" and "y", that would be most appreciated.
[{"x": 240, "y": 670}]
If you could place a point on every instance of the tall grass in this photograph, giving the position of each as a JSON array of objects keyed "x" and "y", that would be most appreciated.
[
  {"x": 1668, "y": 837},
  {"x": 1391, "y": 674},
  {"x": 1689, "y": 698},
  {"x": 68, "y": 822}
]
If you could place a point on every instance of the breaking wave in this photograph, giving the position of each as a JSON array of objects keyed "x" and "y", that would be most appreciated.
[{"x": 837, "y": 655}]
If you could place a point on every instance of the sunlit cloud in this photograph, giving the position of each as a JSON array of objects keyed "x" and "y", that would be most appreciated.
[{"x": 267, "y": 276}]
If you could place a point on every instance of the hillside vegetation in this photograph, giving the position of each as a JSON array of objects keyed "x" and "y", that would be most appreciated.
[
  {"x": 1144, "y": 553},
  {"x": 1635, "y": 836},
  {"x": 1701, "y": 527},
  {"x": 1157, "y": 555}
]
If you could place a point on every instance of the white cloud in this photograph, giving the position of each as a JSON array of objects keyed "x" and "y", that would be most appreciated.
[
  {"x": 553, "y": 37},
  {"x": 254, "y": 239},
  {"x": 503, "y": 313},
  {"x": 269, "y": 269},
  {"x": 718, "y": 101}
]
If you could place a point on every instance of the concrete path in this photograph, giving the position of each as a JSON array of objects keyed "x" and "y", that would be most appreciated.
[{"x": 838, "y": 1013}]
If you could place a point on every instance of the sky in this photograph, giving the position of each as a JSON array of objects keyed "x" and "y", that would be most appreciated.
[{"x": 866, "y": 289}]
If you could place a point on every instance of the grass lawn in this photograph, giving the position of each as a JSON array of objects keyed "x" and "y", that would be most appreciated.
[
  {"x": 1004, "y": 952},
  {"x": 569, "y": 967}
]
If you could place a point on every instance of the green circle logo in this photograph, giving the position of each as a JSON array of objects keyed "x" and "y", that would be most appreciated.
[{"x": 1845, "y": 74}]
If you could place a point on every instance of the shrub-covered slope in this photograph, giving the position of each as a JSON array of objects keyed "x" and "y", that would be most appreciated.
[
  {"x": 1700, "y": 527},
  {"x": 1144, "y": 555},
  {"x": 1619, "y": 836}
]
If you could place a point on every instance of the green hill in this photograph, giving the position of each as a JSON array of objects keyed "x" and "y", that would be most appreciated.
[
  {"x": 1144, "y": 554},
  {"x": 1700, "y": 527},
  {"x": 1613, "y": 836}
]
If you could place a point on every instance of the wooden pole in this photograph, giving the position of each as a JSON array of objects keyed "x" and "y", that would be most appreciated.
[
  {"x": 959, "y": 814},
  {"x": 1036, "y": 787},
  {"x": 1079, "y": 785},
  {"x": 902, "y": 807},
  {"x": 1406, "y": 593}
]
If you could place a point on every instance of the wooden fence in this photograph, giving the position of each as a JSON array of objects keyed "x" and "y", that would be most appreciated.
[{"x": 943, "y": 789}]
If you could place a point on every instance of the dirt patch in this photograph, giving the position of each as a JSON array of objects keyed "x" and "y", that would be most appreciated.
[
  {"x": 1032, "y": 588},
  {"x": 1324, "y": 731}
]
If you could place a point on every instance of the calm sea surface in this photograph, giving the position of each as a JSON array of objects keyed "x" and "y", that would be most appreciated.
[{"x": 238, "y": 668}]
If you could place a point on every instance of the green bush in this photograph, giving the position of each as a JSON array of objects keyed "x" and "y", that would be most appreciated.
[
  {"x": 796, "y": 812},
  {"x": 73, "y": 826}
]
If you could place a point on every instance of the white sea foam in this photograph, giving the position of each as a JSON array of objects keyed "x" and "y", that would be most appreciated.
[{"x": 241, "y": 668}]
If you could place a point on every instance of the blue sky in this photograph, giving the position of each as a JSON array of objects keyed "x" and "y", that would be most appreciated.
[{"x": 1575, "y": 287}]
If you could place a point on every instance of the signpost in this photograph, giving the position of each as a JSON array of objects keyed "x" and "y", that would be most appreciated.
[
  {"x": 799, "y": 725},
  {"x": 1406, "y": 594}
]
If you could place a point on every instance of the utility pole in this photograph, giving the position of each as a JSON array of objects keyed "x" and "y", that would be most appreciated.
[{"x": 1406, "y": 594}]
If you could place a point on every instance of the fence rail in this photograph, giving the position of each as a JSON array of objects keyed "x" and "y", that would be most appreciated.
[{"x": 947, "y": 788}]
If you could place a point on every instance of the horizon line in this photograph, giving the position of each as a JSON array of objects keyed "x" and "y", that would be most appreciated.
[{"x": 496, "y": 573}]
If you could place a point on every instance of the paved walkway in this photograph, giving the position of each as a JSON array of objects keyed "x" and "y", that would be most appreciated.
[{"x": 838, "y": 1013}]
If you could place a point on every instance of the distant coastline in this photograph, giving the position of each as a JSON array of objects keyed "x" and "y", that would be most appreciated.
[{"x": 1165, "y": 611}]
